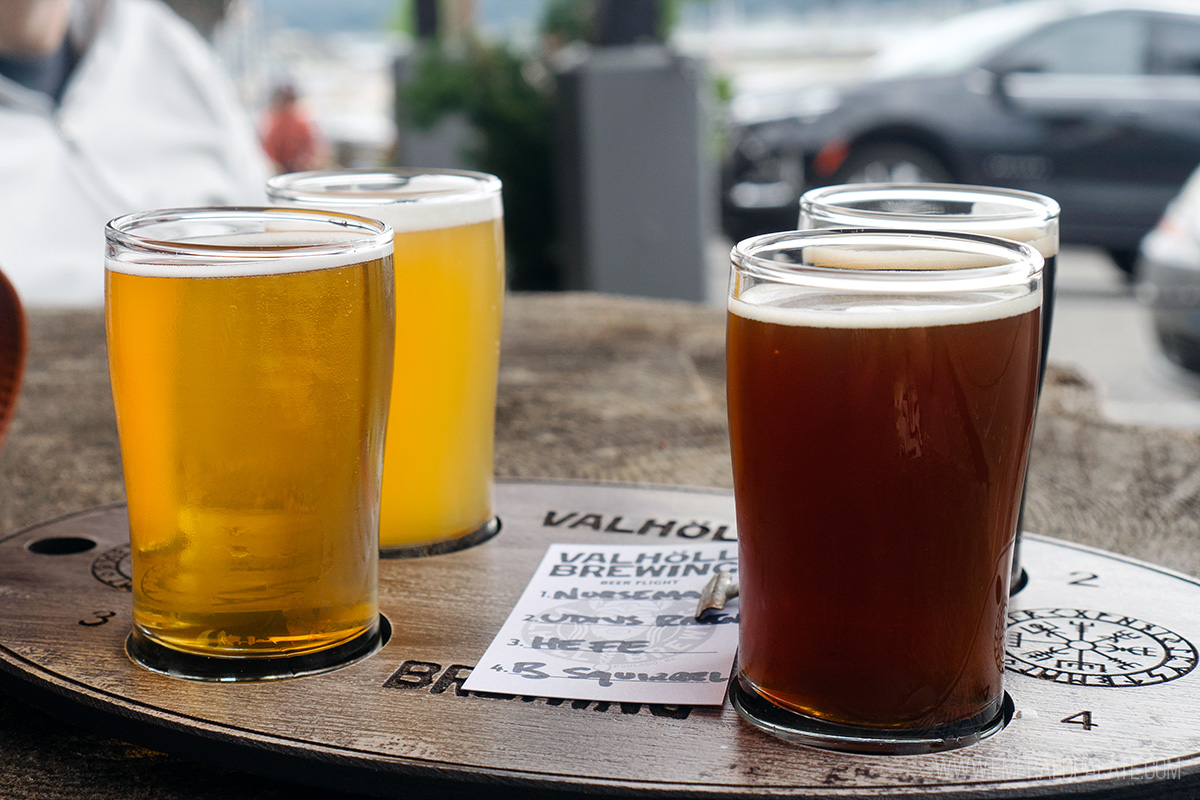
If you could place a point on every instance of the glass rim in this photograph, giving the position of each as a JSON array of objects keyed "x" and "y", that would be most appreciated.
[
  {"x": 344, "y": 187},
  {"x": 1018, "y": 261},
  {"x": 1028, "y": 207},
  {"x": 123, "y": 232}
]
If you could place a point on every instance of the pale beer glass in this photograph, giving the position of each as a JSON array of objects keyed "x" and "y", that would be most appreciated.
[
  {"x": 449, "y": 237},
  {"x": 881, "y": 390},
  {"x": 954, "y": 208},
  {"x": 250, "y": 353}
]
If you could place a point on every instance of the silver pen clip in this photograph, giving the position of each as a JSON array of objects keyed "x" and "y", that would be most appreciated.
[{"x": 719, "y": 590}]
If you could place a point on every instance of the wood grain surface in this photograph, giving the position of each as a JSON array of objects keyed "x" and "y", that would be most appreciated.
[
  {"x": 592, "y": 387},
  {"x": 1101, "y": 664}
]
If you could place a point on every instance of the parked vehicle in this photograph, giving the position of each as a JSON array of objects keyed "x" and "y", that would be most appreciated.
[
  {"x": 1095, "y": 103},
  {"x": 1169, "y": 277}
]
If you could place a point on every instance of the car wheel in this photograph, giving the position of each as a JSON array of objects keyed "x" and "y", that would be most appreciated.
[
  {"x": 1126, "y": 261},
  {"x": 892, "y": 162}
]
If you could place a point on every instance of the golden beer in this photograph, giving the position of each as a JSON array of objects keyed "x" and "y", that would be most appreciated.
[
  {"x": 250, "y": 384},
  {"x": 449, "y": 258}
]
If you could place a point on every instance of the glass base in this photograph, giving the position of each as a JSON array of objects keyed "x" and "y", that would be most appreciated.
[
  {"x": 803, "y": 729},
  {"x": 225, "y": 669},
  {"x": 1019, "y": 580},
  {"x": 1018, "y": 576},
  {"x": 478, "y": 536}
]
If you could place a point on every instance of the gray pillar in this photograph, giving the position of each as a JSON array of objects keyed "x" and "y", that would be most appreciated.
[{"x": 636, "y": 181}]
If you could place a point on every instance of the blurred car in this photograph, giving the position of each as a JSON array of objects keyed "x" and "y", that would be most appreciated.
[
  {"x": 1168, "y": 274},
  {"x": 1095, "y": 103}
]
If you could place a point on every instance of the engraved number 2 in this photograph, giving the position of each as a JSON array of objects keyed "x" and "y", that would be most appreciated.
[
  {"x": 1084, "y": 579},
  {"x": 1083, "y": 718},
  {"x": 98, "y": 618}
]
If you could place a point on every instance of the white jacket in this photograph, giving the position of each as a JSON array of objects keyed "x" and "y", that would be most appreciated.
[{"x": 148, "y": 120}]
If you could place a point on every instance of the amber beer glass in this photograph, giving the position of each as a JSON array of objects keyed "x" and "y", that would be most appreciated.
[
  {"x": 881, "y": 392},
  {"x": 250, "y": 352},
  {"x": 955, "y": 208},
  {"x": 438, "y": 469}
]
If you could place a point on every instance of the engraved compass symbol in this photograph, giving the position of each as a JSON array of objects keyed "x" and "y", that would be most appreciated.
[
  {"x": 1095, "y": 648},
  {"x": 114, "y": 567}
]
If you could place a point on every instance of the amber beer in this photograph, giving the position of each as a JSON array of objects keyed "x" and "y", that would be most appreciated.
[
  {"x": 449, "y": 238},
  {"x": 250, "y": 372},
  {"x": 879, "y": 438},
  {"x": 953, "y": 208}
]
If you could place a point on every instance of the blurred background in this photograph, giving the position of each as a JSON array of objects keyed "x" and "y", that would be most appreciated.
[{"x": 637, "y": 139}]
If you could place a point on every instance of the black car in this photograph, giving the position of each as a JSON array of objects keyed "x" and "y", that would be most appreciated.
[{"x": 1094, "y": 103}]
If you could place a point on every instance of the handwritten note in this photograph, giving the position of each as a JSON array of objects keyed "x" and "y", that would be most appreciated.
[{"x": 616, "y": 623}]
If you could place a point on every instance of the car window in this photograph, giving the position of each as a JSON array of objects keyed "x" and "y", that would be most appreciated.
[
  {"x": 1102, "y": 44},
  {"x": 960, "y": 41},
  {"x": 1176, "y": 48}
]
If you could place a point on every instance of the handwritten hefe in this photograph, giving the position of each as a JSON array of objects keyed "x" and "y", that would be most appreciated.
[{"x": 617, "y": 623}]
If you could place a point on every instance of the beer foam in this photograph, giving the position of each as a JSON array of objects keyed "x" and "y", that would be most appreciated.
[
  {"x": 255, "y": 255},
  {"x": 1045, "y": 243},
  {"x": 948, "y": 208},
  {"x": 790, "y": 305},
  {"x": 848, "y": 258},
  {"x": 428, "y": 213},
  {"x": 421, "y": 202},
  {"x": 1038, "y": 238}
]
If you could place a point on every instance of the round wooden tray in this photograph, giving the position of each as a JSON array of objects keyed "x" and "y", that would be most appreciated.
[{"x": 1101, "y": 659}]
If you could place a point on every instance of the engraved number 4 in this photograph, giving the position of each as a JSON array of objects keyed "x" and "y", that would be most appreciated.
[{"x": 1083, "y": 718}]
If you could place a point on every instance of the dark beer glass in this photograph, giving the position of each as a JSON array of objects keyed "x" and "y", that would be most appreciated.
[
  {"x": 955, "y": 208},
  {"x": 881, "y": 390}
]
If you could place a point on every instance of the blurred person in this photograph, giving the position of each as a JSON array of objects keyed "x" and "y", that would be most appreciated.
[
  {"x": 107, "y": 107},
  {"x": 289, "y": 137}
]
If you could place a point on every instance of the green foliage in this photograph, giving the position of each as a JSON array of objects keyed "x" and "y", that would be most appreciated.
[
  {"x": 668, "y": 17},
  {"x": 401, "y": 19},
  {"x": 568, "y": 20},
  {"x": 513, "y": 121},
  {"x": 723, "y": 88}
]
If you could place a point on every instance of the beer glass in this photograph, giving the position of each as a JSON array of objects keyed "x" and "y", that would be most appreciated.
[
  {"x": 250, "y": 353},
  {"x": 881, "y": 391},
  {"x": 438, "y": 469},
  {"x": 956, "y": 208}
]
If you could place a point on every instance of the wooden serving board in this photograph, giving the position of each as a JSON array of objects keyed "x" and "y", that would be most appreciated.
[{"x": 1101, "y": 658}]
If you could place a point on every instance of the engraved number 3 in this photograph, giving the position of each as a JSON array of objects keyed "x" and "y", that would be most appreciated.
[{"x": 98, "y": 618}]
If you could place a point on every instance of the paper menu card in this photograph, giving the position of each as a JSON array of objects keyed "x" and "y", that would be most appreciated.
[{"x": 616, "y": 623}]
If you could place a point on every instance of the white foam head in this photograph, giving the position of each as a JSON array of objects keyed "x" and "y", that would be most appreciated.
[
  {"x": 1045, "y": 242},
  {"x": 955, "y": 208},
  {"x": 238, "y": 243},
  {"x": 789, "y": 305},
  {"x": 864, "y": 287},
  {"x": 408, "y": 200}
]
